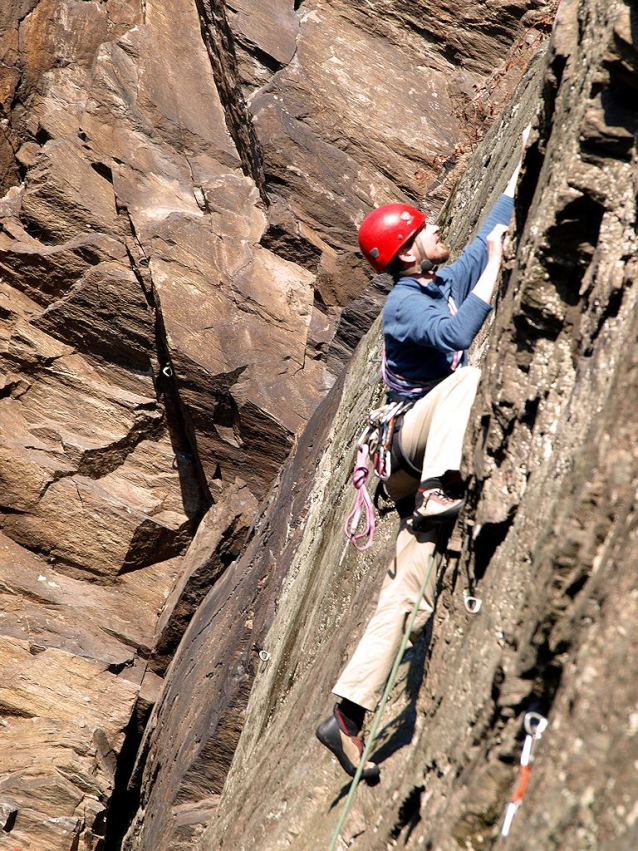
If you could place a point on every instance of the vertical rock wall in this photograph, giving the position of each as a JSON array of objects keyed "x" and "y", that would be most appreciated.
[
  {"x": 546, "y": 541},
  {"x": 178, "y": 289}
]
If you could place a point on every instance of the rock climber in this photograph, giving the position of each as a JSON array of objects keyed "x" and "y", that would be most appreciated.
[{"x": 430, "y": 318}]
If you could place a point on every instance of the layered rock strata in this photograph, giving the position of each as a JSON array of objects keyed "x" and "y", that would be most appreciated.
[
  {"x": 546, "y": 543},
  {"x": 178, "y": 289}
]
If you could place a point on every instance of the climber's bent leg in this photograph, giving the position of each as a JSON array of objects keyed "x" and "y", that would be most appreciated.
[
  {"x": 433, "y": 430},
  {"x": 432, "y": 439}
]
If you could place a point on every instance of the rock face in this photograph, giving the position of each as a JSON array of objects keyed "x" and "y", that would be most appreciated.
[
  {"x": 179, "y": 288},
  {"x": 298, "y": 570},
  {"x": 546, "y": 542}
]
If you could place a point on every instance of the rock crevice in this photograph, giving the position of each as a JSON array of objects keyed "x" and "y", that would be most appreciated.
[{"x": 219, "y": 40}]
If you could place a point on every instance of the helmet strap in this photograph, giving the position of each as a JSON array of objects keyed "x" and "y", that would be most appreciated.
[{"x": 426, "y": 266}]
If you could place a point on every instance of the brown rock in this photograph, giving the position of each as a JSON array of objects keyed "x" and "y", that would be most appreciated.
[
  {"x": 106, "y": 314},
  {"x": 548, "y": 539},
  {"x": 266, "y": 41},
  {"x": 103, "y": 498},
  {"x": 162, "y": 332},
  {"x": 65, "y": 196},
  {"x": 61, "y": 33},
  {"x": 69, "y": 686},
  {"x": 45, "y": 272},
  {"x": 108, "y": 623},
  {"x": 219, "y": 540},
  {"x": 8, "y": 165},
  {"x": 237, "y": 325}
]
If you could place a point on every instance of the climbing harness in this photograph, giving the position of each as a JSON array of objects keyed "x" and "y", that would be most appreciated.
[
  {"x": 384, "y": 699},
  {"x": 374, "y": 446},
  {"x": 535, "y": 725},
  {"x": 377, "y": 435}
]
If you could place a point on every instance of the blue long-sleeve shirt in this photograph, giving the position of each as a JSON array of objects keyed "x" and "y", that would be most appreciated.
[{"x": 421, "y": 336}]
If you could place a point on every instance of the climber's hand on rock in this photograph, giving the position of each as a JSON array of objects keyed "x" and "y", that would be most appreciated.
[
  {"x": 511, "y": 186},
  {"x": 484, "y": 287},
  {"x": 495, "y": 243}
]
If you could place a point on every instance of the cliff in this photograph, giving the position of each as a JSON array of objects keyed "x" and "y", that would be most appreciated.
[
  {"x": 180, "y": 290},
  {"x": 546, "y": 543}
]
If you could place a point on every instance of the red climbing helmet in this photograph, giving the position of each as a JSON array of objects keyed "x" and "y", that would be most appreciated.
[{"x": 386, "y": 230}]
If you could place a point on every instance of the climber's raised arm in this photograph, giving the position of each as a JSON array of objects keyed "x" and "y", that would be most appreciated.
[
  {"x": 484, "y": 288},
  {"x": 511, "y": 186}
]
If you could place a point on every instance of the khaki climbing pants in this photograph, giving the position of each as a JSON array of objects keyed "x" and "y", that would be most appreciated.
[
  {"x": 434, "y": 428},
  {"x": 432, "y": 439}
]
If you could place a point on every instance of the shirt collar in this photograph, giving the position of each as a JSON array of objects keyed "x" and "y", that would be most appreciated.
[{"x": 430, "y": 288}]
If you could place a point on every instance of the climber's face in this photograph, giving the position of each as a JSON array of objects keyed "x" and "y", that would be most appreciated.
[
  {"x": 426, "y": 245},
  {"x": 430, "y": 246}
]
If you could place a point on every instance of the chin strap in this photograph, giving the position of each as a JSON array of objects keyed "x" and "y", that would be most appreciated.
[{"x": 427, "y": 266}]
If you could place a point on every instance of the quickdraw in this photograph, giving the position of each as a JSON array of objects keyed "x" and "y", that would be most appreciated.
[
  {"x": 373, "y": 445},
  {"x": 535, "y": 725}
]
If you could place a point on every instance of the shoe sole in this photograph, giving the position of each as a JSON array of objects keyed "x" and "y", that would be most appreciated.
[{"x": 328, "y": 734}]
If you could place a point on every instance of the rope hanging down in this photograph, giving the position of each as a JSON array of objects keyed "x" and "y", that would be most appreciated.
[
  {"x": 384, "y": 699},
  {"x": 373, "y": 445},
  {"x": 363, "y": 504}
]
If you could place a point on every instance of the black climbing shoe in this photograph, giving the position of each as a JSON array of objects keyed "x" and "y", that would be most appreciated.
[
  {"x": 435, "y": 505},
  {"x": 347, "y": 748}
]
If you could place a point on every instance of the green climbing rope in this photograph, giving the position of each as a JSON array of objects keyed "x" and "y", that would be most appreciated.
[{"x": 384, "y": 699}]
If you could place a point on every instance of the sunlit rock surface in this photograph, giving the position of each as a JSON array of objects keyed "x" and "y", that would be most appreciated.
[
  {"x": 546, "y": 542},
  {"x": 179, "y": 288}
]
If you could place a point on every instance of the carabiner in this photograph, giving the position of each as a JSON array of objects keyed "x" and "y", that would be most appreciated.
[
  {"x": 510, "y": 812},
  {"x": 364, "y": 436},
  {"x": 472, "y": 604},
  {"x": 535, "y": 724},
  {"x": 386, "y": 471}
]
